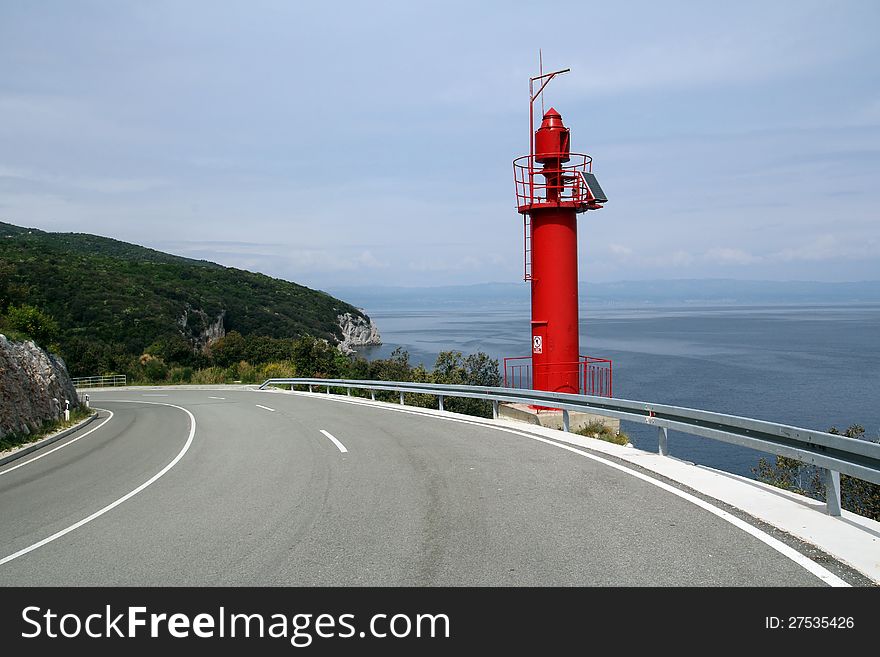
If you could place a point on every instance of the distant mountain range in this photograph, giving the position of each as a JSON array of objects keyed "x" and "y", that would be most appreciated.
[{"x": 682, "y": 291}]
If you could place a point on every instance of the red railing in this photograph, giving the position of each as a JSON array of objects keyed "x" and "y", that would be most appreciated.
[
  {"x": 595, "y": 375},
  {"x": 563, "y": 185}
]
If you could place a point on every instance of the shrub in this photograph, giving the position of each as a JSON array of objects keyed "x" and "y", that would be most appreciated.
[
  {"x": 172, "y": 349},
  {"x": 180, "y": 374},
  {"x": 856, "y": 495},
  {"x": 153, "y": 369},
  {"x": 229, "y": 349},
  {"x": 246, "y": 373},
  {"x": 33, "y": 322},
  {"x": 478, "y": 369},
  {"x": 598, "y": 429},
  {"x": 210, "y": 375},
  {"x": 314, "y": 357},
  {"x": 277, "y": 370}
]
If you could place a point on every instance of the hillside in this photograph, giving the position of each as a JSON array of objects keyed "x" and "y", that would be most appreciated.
[{"x": 112, "y": 299}]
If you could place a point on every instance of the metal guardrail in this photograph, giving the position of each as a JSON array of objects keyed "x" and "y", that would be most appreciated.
[
  {"x": 99, "y": 381},
  {"x": 835, "y": 454}
]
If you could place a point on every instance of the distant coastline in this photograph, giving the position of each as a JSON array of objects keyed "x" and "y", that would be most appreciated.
[{"x": 678, "y": 291}]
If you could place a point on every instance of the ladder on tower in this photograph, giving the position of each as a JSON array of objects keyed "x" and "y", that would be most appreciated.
[{"x": 527, "y": 248}]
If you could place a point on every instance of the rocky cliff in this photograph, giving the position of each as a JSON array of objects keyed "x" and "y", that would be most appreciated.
[
  {"x": 357, "y": 331},
  {"x": 33, "y": 387},
  {"x": 198, "y": 327}
]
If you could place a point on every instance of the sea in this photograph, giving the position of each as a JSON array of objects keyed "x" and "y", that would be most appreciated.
[{"x": 807, "y": 365}]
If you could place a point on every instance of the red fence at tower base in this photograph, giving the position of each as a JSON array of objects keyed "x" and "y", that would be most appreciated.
[{"x": 594, "y": 375}]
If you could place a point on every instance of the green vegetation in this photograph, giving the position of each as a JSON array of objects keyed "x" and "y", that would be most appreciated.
[
  {"x": 10, "y": 441},
  {"x": 115, "y": 302},
  {"x": 598, "y": 429},
  {"x": 25, "y": 320},
  {"x": 451, "y": 367},
  {"x": 109, "y": 307},
  {"x": 856, "y": 495}
]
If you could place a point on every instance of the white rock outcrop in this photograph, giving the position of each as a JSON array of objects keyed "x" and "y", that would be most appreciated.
[
  {"x": 213, "y": 330},
  {"x": 33, "y": 387},
  {"x": 357, "y": 331}
]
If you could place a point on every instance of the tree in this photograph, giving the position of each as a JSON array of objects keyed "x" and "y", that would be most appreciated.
[
  {"x": 394, "y": 368},
  {"x": 480, "y": 370},
  {"x": 449, "y": 368},
  {"x": 173, "y": 349},
  {"x": 475, "y": 370},
  {"x": 856, "y": 495},
  {"x": 261, "y": 349},
  {"x": 229, "y": 349},
  {"x": 40, "y": 326},
  {"x": 314, "y": 357},
  {"x": 6, "y": 272}
]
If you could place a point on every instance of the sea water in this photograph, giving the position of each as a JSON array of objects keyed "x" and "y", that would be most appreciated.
[{"x": 812, "y": 366}]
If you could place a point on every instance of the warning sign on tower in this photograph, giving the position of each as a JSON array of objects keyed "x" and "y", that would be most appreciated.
[{"x": 537, "y": 344}]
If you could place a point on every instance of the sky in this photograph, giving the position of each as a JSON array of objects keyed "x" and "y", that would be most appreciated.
[{"x": 370, "y": 143}]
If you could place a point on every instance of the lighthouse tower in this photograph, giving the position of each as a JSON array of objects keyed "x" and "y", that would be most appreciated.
[{"x": 554, "y": 186}]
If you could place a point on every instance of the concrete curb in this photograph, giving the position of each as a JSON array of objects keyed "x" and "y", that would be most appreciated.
[{"x": 24, "y": 451}]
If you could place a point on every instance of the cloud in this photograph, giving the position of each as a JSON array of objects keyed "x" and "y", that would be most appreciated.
[
  {"x": 728, "y": 256},
  {"x": 67, "y": 182},
  {"x": 829, "y": 247},
  {"x": 696, "y": 45},
  {"x": 277, "y": 258},
  {"x": 468, "y": 262},
  {"x": 717, "y": 151}
]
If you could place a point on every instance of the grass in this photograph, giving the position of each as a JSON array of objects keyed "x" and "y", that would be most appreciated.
[
  {"x": 598, "y": 429},
  {"x": 13, "y": 440},
  {"x": 15, "y": 336}
]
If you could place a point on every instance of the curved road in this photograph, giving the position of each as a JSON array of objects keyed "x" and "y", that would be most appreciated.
[{"x": 245, "y": 488}]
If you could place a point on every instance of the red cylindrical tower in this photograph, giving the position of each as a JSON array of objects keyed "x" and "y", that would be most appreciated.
[
  {"x": 555, "y": 349},
  {"x": 553, "y": 187}
]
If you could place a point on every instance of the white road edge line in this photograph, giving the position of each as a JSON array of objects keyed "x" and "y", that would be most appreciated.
[
  {"x": 265, "y": 407},
  {"x": 338, "y": 444},
  {"x": 210, "y": 397},
  {"x": 55, "y": 449},
  {"x": 805, "y": 562},
  {"x": 127, "y": 496},
  {"x": 146, "y": 394}
]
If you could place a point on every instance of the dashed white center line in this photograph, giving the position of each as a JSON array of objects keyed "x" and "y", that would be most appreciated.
[
  {"x": 209, "y": 397},
  {"x": 149, "y": 395},
  {"x": 265, "y": 408},
  {"x": 335, "y": 441}
]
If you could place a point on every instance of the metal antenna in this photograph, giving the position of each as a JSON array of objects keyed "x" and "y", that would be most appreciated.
[{"x": 541, "y": 73}]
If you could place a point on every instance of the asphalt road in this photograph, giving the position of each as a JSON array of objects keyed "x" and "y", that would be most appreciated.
[{"x": 255, "y": 496}]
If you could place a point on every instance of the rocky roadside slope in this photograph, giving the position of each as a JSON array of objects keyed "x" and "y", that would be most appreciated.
[{"x": 34, "y": 386}]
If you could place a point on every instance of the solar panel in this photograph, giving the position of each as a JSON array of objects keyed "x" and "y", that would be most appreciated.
[{"x": 593, "y": 185}]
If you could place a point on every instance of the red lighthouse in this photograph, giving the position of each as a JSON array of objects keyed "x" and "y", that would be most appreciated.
[{"x": 553, "y": 186}]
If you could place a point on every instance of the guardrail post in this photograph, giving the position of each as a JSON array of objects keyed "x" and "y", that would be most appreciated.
[
  {"x": 373, "y": 395},
  {"x": 663, "y": 435},
  {"x": 310, "y": 388},
  {"x": 328, "y": 390},
  {"x": 440, "y": 402},
  {"x": 401, "y": 397},
  {"x": 832, "y": 492},
  {"x": 348, "y": 391},
  {"x": 494, "y": 409},
  {"x": 566, "y": 421}
]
